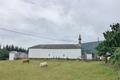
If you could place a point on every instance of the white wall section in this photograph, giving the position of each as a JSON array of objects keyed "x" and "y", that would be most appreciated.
[{"x": 55, "y": 53}]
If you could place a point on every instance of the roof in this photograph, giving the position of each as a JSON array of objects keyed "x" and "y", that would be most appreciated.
[{"x": 56, "y": 46}]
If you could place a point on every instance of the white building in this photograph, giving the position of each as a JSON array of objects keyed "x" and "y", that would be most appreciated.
[
  {"x": 12, "y": 55},
  {"x": 71, "y": 51},
  {"x": 17, "y": 55},
  {"x": 89, "y": 56},
  {"x": 22, "y": 55}
]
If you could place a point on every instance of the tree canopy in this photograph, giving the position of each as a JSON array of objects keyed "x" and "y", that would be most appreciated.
[
  {"x": 4, "y": 52},
  {"x": 112, "y": 40}
]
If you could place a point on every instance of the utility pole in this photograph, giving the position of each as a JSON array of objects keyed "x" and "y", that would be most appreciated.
[{"x": 98, "y": 40}]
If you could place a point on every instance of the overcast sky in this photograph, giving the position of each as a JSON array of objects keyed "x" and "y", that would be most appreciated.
[{"x": 55, "y": 21}]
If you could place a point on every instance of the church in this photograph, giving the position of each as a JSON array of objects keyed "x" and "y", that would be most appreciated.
[{"x": 63, "y": 51}]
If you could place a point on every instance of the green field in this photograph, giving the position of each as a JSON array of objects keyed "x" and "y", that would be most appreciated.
[{"x": 57, "y": 70}]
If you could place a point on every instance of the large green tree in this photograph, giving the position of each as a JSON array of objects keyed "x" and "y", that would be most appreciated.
[
  {"x": 112, "y": 40},
  {"x": 111, "y": 44}
]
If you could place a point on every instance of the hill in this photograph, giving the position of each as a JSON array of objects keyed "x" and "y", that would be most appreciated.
[{"x": 90, "y": 46}]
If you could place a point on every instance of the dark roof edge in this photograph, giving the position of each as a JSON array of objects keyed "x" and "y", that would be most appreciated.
[{"x": 56, "y": 46}]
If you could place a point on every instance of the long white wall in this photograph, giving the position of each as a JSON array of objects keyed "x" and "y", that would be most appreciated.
[{"x": 55, "y": 53}]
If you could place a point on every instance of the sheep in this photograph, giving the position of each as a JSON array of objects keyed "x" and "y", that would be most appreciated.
[
  {"x": 108, "y": 58},
  {"x": 25, "y": 61},
  {"x": 44, "y": 64}
]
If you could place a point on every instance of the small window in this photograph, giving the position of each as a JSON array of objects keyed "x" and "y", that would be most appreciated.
[
  {"x": 49, "y": 55},
  {"x": 63, "y": 55}
]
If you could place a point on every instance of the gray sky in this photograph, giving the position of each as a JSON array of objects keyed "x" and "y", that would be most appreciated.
[{"x": 55, "y": 21}]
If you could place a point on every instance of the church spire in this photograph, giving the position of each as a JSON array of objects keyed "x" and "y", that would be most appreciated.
[{"x": 79, "y": 39}]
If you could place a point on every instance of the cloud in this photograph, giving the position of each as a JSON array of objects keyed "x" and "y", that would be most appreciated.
[{"x": 56, "y": 21}]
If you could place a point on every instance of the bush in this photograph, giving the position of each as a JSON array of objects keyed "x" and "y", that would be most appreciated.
[
  {"x": 4, "y": 54},
  {"x": 115, "y": 59}
]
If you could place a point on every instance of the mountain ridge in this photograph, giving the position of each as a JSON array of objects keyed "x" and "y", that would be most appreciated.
[{"x": 90, "y": 47}]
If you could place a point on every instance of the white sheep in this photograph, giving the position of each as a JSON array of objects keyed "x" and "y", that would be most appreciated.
[{"x": 43, "y": 64}]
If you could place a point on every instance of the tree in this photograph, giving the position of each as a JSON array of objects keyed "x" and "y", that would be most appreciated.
[
  {"x": 112, "y": 40},
  {"x": 112, "y": 37},
  {"x": 4, "y": 54},
  {"x": 115, "y": 58},
  {"x": 14, "y": 48}
]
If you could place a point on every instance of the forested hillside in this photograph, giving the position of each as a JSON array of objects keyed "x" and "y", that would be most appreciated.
[{"x": 90, "y": 46}]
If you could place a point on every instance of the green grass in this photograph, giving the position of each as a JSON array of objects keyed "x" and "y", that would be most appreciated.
[{"x": 57, "y": 70}]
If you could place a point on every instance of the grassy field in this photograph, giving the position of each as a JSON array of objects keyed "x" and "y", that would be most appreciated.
[{"x": 57, "y": 70}]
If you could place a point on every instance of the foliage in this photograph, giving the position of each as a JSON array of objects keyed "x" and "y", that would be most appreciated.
[
  {"x": 4, "y": 52},
  {"x": 14, "y": 48},
  {"x": 112, "y": 40},
  {"x": 115, "y": 59},
  {"x": 102, "y": 49}
]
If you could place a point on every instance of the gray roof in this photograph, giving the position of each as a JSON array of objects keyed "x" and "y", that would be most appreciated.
[{"x": 56, "y": 46}]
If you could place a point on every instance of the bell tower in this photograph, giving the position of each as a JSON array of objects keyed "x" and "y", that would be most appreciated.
[{"x": 79, "y": 39}]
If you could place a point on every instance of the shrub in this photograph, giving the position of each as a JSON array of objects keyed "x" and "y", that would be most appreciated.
[{"x": 4, "y": 54}]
